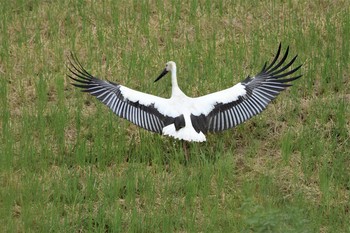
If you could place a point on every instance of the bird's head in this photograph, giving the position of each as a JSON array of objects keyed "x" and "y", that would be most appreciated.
[{"x": 169, "y": 66}]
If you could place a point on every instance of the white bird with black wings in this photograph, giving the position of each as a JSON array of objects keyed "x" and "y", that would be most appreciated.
[{"x": 184, "y": 117}]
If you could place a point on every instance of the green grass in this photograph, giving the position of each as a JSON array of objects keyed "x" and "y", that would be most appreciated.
[{"x": 67, "y": 164}]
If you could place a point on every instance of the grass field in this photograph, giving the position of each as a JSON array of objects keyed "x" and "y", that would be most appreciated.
[{"x": 67, "y": 164}]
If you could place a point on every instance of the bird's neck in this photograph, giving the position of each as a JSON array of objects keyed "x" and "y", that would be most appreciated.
[{"x": 175, "y": 87}]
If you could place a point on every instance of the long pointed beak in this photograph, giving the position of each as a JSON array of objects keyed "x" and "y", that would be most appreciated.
[{"x": 161, "y": 75}]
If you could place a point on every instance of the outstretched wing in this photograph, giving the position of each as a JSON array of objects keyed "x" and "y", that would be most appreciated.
[
  {"x": 228, "y": 108},
  {"x": 137, "y": 107}
]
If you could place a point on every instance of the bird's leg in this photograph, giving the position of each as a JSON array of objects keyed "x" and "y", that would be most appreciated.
[{"x": 184, "y": 145}]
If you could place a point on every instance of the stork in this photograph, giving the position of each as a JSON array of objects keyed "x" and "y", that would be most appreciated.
[{"x": 184, "y": 117}]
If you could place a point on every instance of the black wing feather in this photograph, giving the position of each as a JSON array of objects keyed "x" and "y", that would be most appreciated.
[
  {"x": 260, "y": 91},
  {"x": 147, "y": 117}
]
